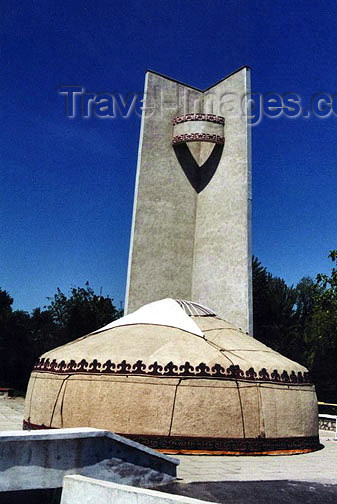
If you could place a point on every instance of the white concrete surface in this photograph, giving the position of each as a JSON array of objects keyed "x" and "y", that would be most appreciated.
[
  {"x": 81, "y": 490},
  {"x": 186, "y": 245},
  {"x": 41, "y": 459},
  {"x": 222, "y": 258}
]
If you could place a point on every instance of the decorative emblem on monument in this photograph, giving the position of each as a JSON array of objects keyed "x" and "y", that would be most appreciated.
[{"x": 194, "y": 137}]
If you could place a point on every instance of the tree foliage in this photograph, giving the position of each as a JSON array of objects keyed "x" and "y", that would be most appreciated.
[
  {"x": 300, "y": 322},
  {"x": 275, "y": 318},
  {"x": 80, "y": 313},
  {"x": 24, "y": 337},
  {"x": 321, "y": 334}
]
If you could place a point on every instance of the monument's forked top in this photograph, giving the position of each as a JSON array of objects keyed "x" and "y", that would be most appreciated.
[{"x": 191, "y": 230}]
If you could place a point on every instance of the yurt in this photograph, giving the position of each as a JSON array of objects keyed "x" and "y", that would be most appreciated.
[{"x": 174, "y": 376}]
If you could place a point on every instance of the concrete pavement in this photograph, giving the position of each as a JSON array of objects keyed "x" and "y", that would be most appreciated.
[
  {"x": 319, "y": 466},
  {"x": 11, "y": 413}
]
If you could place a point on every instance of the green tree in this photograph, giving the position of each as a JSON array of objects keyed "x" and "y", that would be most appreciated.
[
  {"x": 80, "y": 313},
  {"x": 43, "y": 333},
  {"x": 321, "y": 334},
  {"x": 14, "y": 329},
  {"x": 306, "y": 292},
  {"x": 274, "y": 315},
  {"x": 24, "y": 337},
  {"x": 261, "y": 279},
  {"x": 6, "y": 302}
]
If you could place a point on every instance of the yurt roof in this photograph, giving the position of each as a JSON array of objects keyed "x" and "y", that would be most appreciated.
[
  {"x": 173, "y": 338},
  {"x": 166, "y": 312}
]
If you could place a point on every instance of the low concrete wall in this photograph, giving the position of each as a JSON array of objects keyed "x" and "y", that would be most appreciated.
[
  {"x": 80, "y": 490},
  {"x": 41, "y": 459}
]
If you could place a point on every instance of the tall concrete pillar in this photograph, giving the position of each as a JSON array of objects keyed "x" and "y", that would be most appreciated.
[{"x": 191, "y": 229}]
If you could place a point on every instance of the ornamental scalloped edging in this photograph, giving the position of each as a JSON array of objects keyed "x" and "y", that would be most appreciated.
[
  {"x": 198, "y": 137},
  {"x": 171, "y": 370},
  {"x": 199, "y": 117}
]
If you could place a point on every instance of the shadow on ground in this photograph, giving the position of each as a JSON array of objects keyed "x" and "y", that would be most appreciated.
[
  {"x": 48, "y": 496},
  {"x": 256, "y": 492}
]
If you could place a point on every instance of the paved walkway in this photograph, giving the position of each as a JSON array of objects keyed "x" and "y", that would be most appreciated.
[
  {"x": 319, "y": 466},
  {"x": 11, "y": 413},
  {"x": 310, "y": 478}
]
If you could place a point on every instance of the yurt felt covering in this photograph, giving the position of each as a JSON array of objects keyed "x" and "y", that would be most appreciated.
[{"x": 176, "y": 377}]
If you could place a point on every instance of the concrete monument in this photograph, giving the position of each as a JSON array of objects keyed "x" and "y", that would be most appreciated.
[
  {"x": 173, "y": 374},
  {"x": 192, "y": 209}
]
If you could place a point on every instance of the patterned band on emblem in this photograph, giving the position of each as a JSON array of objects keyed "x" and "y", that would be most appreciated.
[
  {"x": 198, "y": 137},
  {"x": 199, "y": 117}
]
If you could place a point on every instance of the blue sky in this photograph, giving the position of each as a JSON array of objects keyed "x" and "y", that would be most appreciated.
[{"x": 66, "y": 185}]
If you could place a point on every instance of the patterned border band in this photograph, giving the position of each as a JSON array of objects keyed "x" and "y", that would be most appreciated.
[
  {"x": 28, "y": 425},
  {"x": 171, "y": 370},
  {"x": 199, "y": 117},
  {"x": 198, "y": 137},
  {"x": 227, "y": 445},
  {"x": 221, "y": 445}
]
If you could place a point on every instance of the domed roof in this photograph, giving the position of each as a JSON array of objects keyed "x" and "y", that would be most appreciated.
[
  {"x": 195, "y": 309},
  {"x": 175, "y": 376},
  {"x": 174, "y": 337}
]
